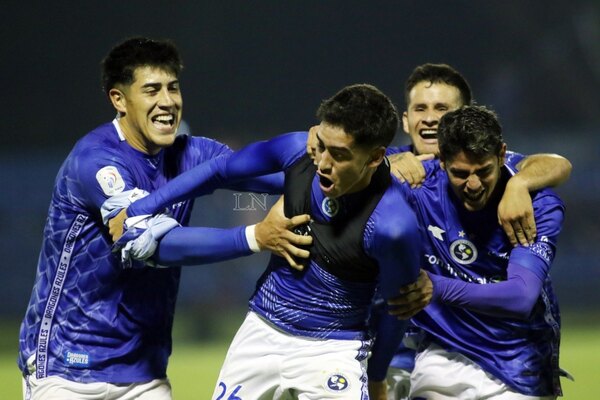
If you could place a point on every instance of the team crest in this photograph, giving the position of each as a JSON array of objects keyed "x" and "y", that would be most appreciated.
[
  {"x": 337, "y": 383},
  {"x": 330, "y": 207},
  {"x": 110, "y": 180},
  {"x": 463, "y": 251}
]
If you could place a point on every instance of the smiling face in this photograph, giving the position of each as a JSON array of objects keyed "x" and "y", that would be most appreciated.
[
  {"x": 427, "y": 103},
  {"x": 343, "y": 167},
  {"x": 474, "y": 179},
  {"x": 150, "y": 109}
]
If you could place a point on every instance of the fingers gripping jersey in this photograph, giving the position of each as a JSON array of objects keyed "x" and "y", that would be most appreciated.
[{"x": 89, "y": 320}]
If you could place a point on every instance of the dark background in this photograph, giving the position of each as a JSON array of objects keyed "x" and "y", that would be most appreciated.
[{"x": 258, "y": 68}]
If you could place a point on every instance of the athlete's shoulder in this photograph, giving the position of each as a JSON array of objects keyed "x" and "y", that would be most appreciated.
[
  {"x": 102, "y": 143},
  {"x": 290, "y": 147},
  {"x": 296, "y": 139},
  {"x": 512, "y": 160},
  {"x": 198, "y": 148},
  {"x": 393, "y": 214},
  {"x": 546, "y": 200}
]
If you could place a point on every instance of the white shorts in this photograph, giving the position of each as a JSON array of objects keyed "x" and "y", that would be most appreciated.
[
  {"x": 398, "y": 381},
  {"x": 443, "y": 375},
  {"x": 57, "y": 388},
  {"x": 265, "y": 363}
]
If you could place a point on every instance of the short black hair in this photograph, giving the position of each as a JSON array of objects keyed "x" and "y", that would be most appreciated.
[
  {"x": 472, "y": 129},
  {"x": 364, "y": 112},
  {"x": 438, "y": 73},
  {"x": 119, "y": 65}
]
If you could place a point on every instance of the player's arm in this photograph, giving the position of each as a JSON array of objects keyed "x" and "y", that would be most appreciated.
[
  {"x": 515, "y": 211},
  {"x": 164, "y": 243},
  {"x": 202, "y": 149},
  {"x": 394, "y": 242},
  {"x": 513, "y": 298},
  {"x": 198, "y": 245},
  {"x": 256, "y": 159},
  {"x": 527, "y": 270},
  {"x": 102, "y": 175}
]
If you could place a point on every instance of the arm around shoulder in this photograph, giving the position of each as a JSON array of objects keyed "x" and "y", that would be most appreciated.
[{"x": 538, "y": 171}]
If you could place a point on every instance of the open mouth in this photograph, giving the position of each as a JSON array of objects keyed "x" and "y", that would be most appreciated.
[
  {"x": 164, "y": 121},
  {"x": 474, "y": 198},
  {"x": 428, "y": 134},
  {"x": 325, "y": 182}
]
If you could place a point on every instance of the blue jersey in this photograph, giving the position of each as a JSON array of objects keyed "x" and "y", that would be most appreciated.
[
  {"x": 471, "y": 246},
  {"x": 314, "y": 302},
  {"x": 407, "y": 148},
  {"x": 89, "y": 320},
  {"x": 404, "y": 357}
]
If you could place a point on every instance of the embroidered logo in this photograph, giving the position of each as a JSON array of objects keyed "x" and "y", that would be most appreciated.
[
  {"x": 337, "y": 383},
  {"x": 76, "y": 359},
  {"x": 463, "y": 251},
  {"x": 330, "y": 207},
  {"x": 110, "y": 180},
  {"x": 436, "y": 231},
  {"x": 542, "y": 250}
]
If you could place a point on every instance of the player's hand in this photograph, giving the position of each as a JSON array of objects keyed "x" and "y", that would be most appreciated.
[
  {"x": 311, "y": 143},
  {"x": 413, "y": 297},
  {"x": 409, "y": 168},
  {"x": 515, "y": 213},
  {"x": 378, "y": 390},
  {"x": 274, "y": 233},
  {"x": 115, "y": 225}
]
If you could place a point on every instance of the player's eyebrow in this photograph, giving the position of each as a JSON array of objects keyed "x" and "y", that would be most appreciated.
[
  {"x": 334, "y": 148},
  {"x": 158, "y": 85},
  {"x": 485, "y": 168}
]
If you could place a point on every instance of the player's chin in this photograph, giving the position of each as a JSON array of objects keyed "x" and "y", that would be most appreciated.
[
  {"x": 164, "y": 139},
  {"x": 428, "y": 148},
  {"x": 473, "y": 205}
]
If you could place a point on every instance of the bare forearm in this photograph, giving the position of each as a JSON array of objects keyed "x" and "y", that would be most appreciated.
[{"x": 542, "y": 170}]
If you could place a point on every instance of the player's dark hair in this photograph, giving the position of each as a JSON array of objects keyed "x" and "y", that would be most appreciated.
[
  {"x": 121, "y": 62},
  {"x": 364, "y": 112},
  {"x": 438, "y": 73},
  {"x": 472, "y": 129}
]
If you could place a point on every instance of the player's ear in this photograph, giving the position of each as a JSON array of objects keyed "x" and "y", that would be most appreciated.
[
  {"x": 405, "y": 122},
  {"x": 502, "y": 155},
  {"x": 376, "y": 157},
  {"x": 117, "y": 98}
]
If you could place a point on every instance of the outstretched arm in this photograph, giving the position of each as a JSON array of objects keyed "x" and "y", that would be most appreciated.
[
  {"x": 199, "y": 245},
  {"x": 515, "y": 211},
  {"x": 256, "y": 159}
]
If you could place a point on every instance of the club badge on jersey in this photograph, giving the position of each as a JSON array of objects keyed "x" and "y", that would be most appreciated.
[
  {"x": 463, "y": 251},
  {"x": 330, "y": 207}
]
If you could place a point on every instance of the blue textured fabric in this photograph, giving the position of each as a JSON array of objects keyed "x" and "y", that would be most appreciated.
[
  {"x": 88, "y": 319},
  {"x": 472, "y": 248}
]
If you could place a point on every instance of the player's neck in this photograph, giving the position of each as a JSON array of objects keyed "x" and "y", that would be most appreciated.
[{"x": 136, "y": 139}]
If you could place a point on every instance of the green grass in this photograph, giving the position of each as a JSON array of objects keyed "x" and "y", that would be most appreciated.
[{"x": 194, "y": 365}]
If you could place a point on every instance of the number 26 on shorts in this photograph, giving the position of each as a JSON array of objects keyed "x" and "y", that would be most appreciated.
[{"x": 232, "y": 396}]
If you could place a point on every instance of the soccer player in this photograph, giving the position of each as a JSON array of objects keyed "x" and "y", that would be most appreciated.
[
  {"x": 432, "y": 90},
  {"x": 492, "y": 329},
  {"x": 92, "y": 329},
  {"x": 305, "y": 335}
]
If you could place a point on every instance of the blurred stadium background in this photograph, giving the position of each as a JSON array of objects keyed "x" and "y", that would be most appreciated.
[{"x": 254, "y": 69}]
